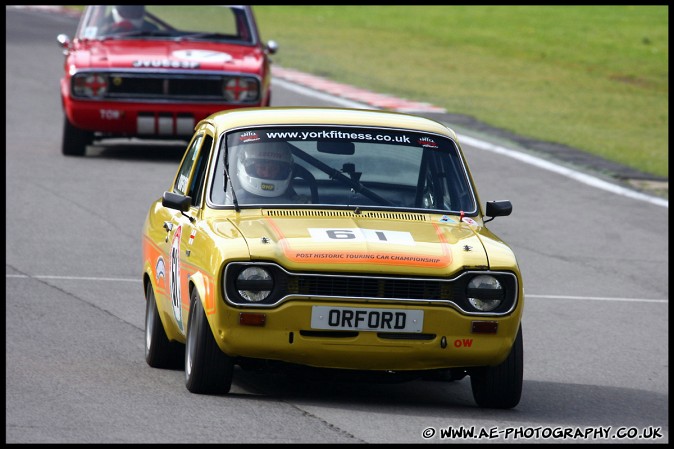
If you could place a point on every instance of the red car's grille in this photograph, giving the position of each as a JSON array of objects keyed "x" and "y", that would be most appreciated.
[{"x": 171, "y": 87}]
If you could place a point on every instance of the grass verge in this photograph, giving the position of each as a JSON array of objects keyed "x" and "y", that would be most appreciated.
[{"x": 591, "y": 77}]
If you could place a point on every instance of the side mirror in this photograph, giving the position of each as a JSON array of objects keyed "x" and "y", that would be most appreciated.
[
  {"x": 64, "y": 42},
  {"x": 176, "y": 201},
  {"x": 272, "y": 47},
  {"x": 498, "y": 209}
]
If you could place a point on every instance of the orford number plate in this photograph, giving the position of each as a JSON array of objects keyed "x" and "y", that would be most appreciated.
[{"x": 366, "y": 319}]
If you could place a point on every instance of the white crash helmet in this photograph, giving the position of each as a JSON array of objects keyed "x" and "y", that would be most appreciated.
[
  {"x": 130, "y": 13},
  {"x": 246, "y": 166}
]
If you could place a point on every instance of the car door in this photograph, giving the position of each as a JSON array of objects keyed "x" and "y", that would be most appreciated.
[{"x": 181, "y": 228}]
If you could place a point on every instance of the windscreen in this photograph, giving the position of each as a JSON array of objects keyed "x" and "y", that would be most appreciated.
[
  {"x": 321, "y": 166},
  {"x": 182, "y": 22}
]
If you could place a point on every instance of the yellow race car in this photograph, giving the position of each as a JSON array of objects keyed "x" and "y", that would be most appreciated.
[{"x": 343, "y": 239}]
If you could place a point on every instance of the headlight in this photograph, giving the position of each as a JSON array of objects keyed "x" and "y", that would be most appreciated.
[
  {"x": 90, "y": 85},
  {"x": 485, "y": 293},
  {"x": 241, "y": 90},
  {"x": 254, "y": 284}
]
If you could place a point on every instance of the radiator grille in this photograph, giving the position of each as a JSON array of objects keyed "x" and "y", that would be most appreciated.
[
  {"x": 364, "y": 287},
  {"x": 181, "y": 87},
  {"x": 322, "y": 288}
]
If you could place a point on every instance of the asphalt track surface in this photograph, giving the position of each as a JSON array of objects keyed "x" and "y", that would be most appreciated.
[{"x": 595, "y": 265}]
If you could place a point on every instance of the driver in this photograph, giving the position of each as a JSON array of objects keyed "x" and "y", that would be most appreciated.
[
  {"x": 129, "y": 18},
  {"x": 264, "y": 172}
]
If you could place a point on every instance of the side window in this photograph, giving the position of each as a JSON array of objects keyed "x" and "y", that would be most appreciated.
[
  {"x": 197, "y": 185},
  {"x": 180, "y": 185}
]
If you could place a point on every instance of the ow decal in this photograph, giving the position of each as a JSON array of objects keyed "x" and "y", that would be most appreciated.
[
  {"x": 174, "y": 278},
  {"x": 463, "y": 343}
]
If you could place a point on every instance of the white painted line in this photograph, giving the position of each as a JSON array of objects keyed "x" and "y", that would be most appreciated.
[
  {"x": 480, "y": 144},
  {"x": 84, "y": 278},
  {"x": 75, "y": 278},
  {"x": 597, "y": 298},
  {"x": 564, "y": 171},
  {"x": 320, "y": 95}
]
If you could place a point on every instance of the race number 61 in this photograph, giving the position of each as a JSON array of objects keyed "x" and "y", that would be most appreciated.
[{"x": 358, "y": 235}]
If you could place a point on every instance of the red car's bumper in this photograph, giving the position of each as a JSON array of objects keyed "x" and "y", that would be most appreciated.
[{"x": 141, "y": 119}]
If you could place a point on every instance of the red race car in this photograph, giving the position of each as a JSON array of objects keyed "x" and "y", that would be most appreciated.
[{"x": 153, "y": 72}]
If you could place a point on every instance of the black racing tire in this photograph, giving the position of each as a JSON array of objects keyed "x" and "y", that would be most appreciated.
[
  {"x": 160, "y": 352},
  {"x": 208, "y": 370},
  {"x": 500, "y": 386},
  {"x": 75, "y": 140}
]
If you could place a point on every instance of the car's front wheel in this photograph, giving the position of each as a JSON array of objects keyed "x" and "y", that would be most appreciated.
[
  {"x": 500, "y": 386},
  {"x": 160, "y": 352},
  {"x": 208, "y": 370},
  {"x": 75, "y": 140}
]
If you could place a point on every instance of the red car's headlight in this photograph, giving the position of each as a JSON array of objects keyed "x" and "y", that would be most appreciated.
[
  {"x": 90, "y": 85},
  {"x": 241, "y": 89}
]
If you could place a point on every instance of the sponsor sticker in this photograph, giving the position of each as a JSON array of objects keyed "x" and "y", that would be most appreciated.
[
  {"x": 427, "y": 142},
  {"x": 249, "y": 136},
  {"x": 202, "y": 55},
  {"x": 386, "y": 254},
  {"x": 469, "y": 220},
  {"x": 160, "y": 270}
]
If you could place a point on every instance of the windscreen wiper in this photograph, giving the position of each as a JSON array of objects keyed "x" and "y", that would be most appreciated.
[
  {"x": 210, "y": 35},
  {"x": 138, "y": 33}
]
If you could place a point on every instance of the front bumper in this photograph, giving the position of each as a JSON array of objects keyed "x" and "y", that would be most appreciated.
[
  {"x": 129, "y": 119},
  {"x": 446, "y": 340}
]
